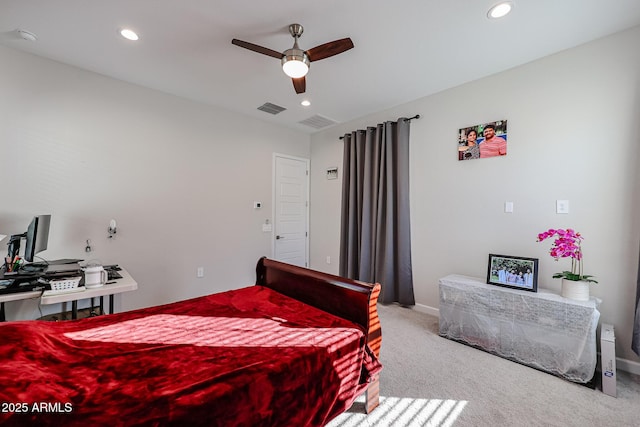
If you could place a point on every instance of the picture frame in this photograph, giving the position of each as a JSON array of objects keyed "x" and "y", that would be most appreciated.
[
  {"x": 492, "y": 134},
  {"x": 513, "y": 272}
]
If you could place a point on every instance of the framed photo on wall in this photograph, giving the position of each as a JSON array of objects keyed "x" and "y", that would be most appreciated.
[
  {"x": 483, "y": 140},
  {"x": 513, "y": 272}
]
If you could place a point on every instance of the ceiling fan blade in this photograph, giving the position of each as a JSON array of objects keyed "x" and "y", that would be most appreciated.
[
  {"x": 329, "y": 49},
  {"x": 256, "y": 48},
  {"x": 299, "y": 84}
]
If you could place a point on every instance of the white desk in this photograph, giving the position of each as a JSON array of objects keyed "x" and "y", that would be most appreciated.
[
  {"x": 16, "y": 296},
  {"x": 542, "y": 329},
  {"x": 125, "y": 284}
]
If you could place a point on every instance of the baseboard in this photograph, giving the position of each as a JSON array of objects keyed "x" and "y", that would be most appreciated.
[
  {"x": 628, "y": 366},
  {"x": 427, "y": 309},
  {"x": 622, "y": 364}
]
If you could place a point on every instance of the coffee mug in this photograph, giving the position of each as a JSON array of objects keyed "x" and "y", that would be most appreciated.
[{"x": 94, "y": 277}]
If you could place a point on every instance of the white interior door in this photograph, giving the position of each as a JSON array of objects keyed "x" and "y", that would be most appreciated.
[{"x": 291, "y": 210}]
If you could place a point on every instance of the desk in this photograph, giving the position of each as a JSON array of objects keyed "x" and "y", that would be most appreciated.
[
  {"x": 542, "y": 330},
  {"x": 125, "y": 284},
  {"x": 16, "y": 296}
]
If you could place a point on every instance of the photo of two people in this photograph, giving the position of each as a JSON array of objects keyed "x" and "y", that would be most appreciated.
[{"x": 482, "y": 141}]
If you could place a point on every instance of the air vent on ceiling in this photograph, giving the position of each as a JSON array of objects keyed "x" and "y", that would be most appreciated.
[
  {"x": 270, "y": 108},
  {"x": 318, "y": 122}
]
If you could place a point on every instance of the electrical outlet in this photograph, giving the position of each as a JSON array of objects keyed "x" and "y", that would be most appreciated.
[
  {"x": 562, "y": 206},
  {"x": 328, "y": 259},
  {"x": 200, "y": 272},
  {"x": 508, "y": 207}
]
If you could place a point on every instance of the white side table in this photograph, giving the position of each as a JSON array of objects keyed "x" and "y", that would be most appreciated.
[{"x": 540, "y": 329}]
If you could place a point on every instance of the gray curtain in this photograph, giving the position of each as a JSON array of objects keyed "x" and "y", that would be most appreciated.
[
  {"x": 635, "y": 342},
  {"x": 375, "y": 238}
]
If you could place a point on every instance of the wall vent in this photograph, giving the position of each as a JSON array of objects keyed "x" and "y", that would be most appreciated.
[
  {"x": 270, "y": 108},
  {"x": 318, "y": 122}
]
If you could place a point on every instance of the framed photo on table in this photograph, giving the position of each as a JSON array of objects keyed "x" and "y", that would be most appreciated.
[{"x": 513, "y": 272}]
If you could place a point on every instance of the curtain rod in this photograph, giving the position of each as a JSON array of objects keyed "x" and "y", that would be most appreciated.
[{"x": 417, "y": 116}]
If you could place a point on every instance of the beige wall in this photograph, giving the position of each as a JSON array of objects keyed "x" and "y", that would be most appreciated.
[
  {"x": 573, "y": 134},
  {"x": 179, "y": 177}
]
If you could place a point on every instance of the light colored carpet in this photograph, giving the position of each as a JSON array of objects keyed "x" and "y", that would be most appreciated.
[{"x": 428, "y": 380}]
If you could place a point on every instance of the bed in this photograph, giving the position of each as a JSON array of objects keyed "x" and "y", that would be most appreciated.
[{"x": 296, "y": 349}]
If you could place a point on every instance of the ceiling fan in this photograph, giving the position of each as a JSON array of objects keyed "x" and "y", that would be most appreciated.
[{"x": 295, "y": 61}]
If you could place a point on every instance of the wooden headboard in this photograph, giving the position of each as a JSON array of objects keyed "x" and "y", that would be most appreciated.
[{"x": 350, "y": 299}]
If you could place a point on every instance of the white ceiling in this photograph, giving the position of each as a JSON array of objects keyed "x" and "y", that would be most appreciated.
[{"x": 404, "y": 49}]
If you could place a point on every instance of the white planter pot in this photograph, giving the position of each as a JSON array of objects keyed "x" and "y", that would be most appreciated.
[{"x": 578, "y": 290}]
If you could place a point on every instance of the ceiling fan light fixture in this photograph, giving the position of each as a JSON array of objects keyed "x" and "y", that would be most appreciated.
[{"x": 295, "y": 63}]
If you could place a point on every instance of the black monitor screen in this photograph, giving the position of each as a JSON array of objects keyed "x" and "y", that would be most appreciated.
[{"x": 37, "y": 236}]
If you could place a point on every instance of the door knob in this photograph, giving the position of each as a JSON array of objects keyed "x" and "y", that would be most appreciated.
[{"x": 278, "y": 237}]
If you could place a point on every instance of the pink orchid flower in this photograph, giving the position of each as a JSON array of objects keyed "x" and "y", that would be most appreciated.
[{"x": 567, "y": 245}]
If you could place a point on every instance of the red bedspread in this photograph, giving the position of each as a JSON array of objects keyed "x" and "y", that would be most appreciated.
[{"x": 250, "y": 357}]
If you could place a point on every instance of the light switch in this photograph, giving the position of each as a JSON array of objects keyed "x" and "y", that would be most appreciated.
[
  {"x": 562, "y": 206},
  {"x": 508, "y": 207},
  {"x": 266, "y": 228}
]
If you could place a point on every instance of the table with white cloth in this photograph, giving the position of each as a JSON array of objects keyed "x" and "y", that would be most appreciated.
[{"x": 540, "y": 329}]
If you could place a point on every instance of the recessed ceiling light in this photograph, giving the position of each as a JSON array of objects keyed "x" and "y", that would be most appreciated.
[
  {"x": 305, "y": 103},
  {"x": 27, "y": 35},
  {"x": 129, "y": 34},
  {"x": 500, "y": 10}
]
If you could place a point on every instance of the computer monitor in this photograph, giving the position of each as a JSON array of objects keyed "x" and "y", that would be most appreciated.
[{"x": 37, "y": 236}]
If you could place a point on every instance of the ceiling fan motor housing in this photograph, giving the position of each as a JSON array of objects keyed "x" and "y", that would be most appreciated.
[{"x": 295, "y": 30}]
